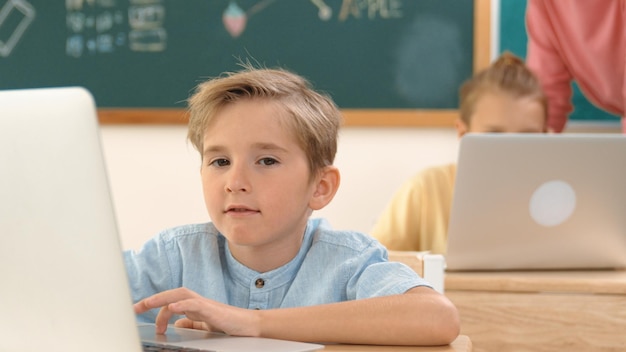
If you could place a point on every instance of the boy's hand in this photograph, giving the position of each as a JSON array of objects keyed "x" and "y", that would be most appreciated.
[{"x": 200, "y": 312}]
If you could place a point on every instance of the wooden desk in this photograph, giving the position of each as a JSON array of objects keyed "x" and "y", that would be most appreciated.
[
  {"x": 541, "y": 311},
  {"x": 461, "y": 344}
]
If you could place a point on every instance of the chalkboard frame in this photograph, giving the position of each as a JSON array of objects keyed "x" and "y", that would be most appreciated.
[{"x": 352, "y": 117}]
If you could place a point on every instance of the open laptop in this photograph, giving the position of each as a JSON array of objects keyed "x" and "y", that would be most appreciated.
[
  {"x": 539, "y": 201},
  {"x": 64, "y": 284}
]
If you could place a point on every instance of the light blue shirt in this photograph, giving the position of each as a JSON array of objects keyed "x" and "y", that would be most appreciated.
[{"x": 331, "y": 266}]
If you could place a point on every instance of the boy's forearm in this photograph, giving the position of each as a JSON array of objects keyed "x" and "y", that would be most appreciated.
[{"x": 421, "y": 317}]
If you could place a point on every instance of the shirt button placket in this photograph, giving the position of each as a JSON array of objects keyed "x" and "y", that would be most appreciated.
[{"x": 258, "y": 297}]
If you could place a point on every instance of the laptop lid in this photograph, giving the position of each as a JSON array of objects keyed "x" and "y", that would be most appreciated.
[
  {"x": 539, "y": 201},
  {"x": 64, "y": 284},
  {"x": 63, "y": 279}
]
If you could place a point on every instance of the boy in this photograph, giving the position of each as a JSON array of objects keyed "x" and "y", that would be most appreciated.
[
  {"x": 505, "y": 97},
  {"x": 262, "y": 267}
]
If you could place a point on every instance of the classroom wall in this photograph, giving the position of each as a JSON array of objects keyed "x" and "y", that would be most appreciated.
[{"x": 155, "y": 180}]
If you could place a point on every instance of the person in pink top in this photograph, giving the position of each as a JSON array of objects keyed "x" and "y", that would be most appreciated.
[{"x": 583, "y": 41}]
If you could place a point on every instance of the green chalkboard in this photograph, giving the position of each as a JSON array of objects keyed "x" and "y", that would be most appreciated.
[
  {"x": 406, "y": 54},
  {"x": 513, "y": 37}
]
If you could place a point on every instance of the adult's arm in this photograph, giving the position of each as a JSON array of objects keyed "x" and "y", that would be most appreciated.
[{"x": 546, "y": 61}]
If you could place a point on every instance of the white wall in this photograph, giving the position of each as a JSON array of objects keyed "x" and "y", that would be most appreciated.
[{"x": 155, "y": 180}]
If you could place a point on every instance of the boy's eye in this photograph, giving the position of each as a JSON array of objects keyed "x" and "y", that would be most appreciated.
[
  {"x": 220, "y": 162},
  {"x": 268, "y": 161}
]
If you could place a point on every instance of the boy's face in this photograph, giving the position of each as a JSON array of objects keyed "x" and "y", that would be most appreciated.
[
  {"x": 255, "y": 179},
  {"x": 497, "y": 112}
]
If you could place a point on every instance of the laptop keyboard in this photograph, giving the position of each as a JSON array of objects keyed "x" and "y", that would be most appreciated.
[{"x": 153, "y": 347}]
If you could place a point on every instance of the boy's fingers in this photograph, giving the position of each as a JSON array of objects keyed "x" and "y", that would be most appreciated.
[
  {"x": 184, "y": 323},
  {"x": 191, "y": 324},
  {"x": 141, "y": 307},
  {"x": 162, "y": 299},
  {"x": 162, "y": 320},
  {"x": 149, "y": 303}
]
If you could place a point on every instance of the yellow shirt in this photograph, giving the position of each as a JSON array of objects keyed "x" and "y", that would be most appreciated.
[{"x": 417, "y": 217}]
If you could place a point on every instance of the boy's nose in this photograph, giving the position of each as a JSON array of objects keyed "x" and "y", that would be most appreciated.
[
  {"x": 237, "y": 181},
  {"x": 231, "y": 188}
]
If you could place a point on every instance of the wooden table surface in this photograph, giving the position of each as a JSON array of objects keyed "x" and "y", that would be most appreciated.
[
  {"x": 588, "y": 281},
  {"x": 541, "y": 311},
  {"x": 461, "y": 344}
]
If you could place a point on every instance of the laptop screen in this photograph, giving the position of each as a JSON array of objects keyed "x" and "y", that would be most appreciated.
[{"x": 539, "y": 201}]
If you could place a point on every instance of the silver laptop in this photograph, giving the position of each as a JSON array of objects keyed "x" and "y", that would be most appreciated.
[
  {"x": 64, "y": 284},
  {"x": 539, "y": 201}
]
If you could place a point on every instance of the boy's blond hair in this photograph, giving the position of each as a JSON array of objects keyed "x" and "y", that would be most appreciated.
[
  {"x": 508, "y": 75},
  {"x": 312, "y": 116}
]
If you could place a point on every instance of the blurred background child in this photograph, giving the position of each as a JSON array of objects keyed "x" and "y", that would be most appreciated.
[{"x": 505, "y": 97}]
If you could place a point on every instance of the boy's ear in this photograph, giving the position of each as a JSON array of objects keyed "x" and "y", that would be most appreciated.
[{"x": 327, "y": 184}]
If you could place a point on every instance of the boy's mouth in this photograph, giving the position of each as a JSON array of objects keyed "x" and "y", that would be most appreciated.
[{"x": 240, "y": 209}]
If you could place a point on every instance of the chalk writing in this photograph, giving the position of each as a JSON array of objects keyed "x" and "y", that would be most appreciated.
[
  {"x": 15, "y": 17},
  {"x": 370, "y": 9}
]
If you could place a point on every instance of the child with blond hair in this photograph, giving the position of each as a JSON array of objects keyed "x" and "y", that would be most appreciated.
[{"x": 262, "y": 266}]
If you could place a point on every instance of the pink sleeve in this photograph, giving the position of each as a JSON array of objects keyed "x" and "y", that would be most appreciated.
[{"x": 546, "y": 62}]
